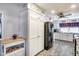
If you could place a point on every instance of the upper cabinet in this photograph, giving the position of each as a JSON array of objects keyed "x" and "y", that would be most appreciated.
[
  {"x": 35, "y": 8},
  {"x": 36, "y": 12}
]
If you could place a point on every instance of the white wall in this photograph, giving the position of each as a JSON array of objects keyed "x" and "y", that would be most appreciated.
[{"x": 11, "y": 18}]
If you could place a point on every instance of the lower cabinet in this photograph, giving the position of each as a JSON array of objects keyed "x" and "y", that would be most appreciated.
[
  {"x": 63, "y": 36},
  {"x": 33, "y": 46},
  {"x": 41, "y": 44},
  {"x": 36, "y": 45}
]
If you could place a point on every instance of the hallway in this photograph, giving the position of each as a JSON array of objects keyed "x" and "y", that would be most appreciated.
[{"x": 60, "y": 48}]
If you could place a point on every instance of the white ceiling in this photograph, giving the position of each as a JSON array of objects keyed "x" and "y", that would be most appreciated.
[{"x": 58, "y": 7}]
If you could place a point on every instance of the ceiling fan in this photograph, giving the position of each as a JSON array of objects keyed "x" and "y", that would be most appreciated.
[{"x": 61, "y": 15}]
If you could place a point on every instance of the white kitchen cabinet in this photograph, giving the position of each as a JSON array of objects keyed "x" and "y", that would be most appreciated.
[
  {"x": 67, "y": 36},
  {"x": 70, "y": 37},
  {"x": 35, "y": 30},
  {"x": 41, "y": 44},
  {"x": 63, "y": 36},
  {"x": 33, "y": 46},
  {"x": 36, "y": 36},
  {"x": 41, "y": 35},
  {"x": 56, "y": 36},
  {"x": 35, "y": 8}
]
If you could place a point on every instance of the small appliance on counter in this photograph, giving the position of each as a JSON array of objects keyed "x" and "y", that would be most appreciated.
[
  {"x": 56, "y": 30},
  {"x": 48, "y": 35}
]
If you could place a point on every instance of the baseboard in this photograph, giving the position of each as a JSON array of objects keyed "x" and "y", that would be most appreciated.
[
  {"x": 64, "y": 40},
  {"x": 39, "y": 52}
]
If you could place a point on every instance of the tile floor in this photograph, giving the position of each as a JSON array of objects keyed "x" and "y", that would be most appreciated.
[{"x": 60, "y": 48}]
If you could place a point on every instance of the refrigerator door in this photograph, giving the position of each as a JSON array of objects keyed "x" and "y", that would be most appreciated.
[{"x": 48, "y": 35}]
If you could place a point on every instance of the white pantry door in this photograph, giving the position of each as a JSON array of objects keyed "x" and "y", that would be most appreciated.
[
  {"x": 36, "y": 36},
  {"x": 33, "y": 36},
  {"x": 41, "y": 36}
]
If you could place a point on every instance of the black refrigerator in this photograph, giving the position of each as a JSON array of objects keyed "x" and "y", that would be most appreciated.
[{"x": 48, "y": 35}]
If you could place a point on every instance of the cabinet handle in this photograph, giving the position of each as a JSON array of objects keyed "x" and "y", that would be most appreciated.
[{"x": 36, "y": 37}]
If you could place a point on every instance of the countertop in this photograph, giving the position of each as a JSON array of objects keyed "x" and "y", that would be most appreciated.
[
  {"x": 67, "y": 33},
  {"x": 10, "y": 40}
]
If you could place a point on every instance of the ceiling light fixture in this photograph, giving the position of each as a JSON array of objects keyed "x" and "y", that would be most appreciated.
[
  {"x": 53, "y": 11},
  {"x": 73, "y": 6}
]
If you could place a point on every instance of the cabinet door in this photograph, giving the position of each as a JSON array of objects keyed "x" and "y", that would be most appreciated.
[
  {"x": 41, "y": 44},
  {"x": 36, "y": 36},
  {"x": 33, "y": 37},
  {"x": 69, "y": 37},
  {"x": 41, "y": 35},
  {"x": 33, "y": 46},
  {"x": 41, "y": 28},
  {"x": 56, "y": 36},
  {"x": 33, "y": 29}
]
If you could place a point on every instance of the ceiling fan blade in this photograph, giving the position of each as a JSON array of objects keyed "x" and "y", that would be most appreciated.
[
  {"x": 68, "y": 15},
  {"x": 61, "y": 16}
]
